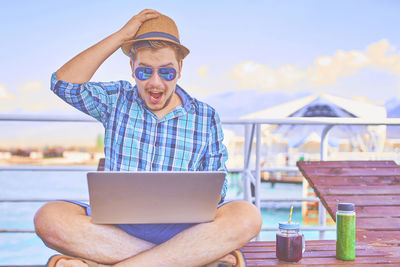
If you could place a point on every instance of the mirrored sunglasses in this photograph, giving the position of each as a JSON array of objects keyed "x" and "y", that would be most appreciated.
[{"x": 144, "y": 73}]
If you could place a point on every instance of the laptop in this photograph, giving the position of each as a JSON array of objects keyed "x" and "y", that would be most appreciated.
[{"x": 154, "y": 197}]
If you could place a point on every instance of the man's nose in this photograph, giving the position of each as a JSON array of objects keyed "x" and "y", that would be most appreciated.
[{"x": 155, "y": 80}]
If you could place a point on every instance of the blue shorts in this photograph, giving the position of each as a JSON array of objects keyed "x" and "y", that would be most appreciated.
[{"x": 153, "y": 233}]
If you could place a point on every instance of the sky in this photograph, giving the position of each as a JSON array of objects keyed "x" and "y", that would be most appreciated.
[{"x": 345, "y": 48}]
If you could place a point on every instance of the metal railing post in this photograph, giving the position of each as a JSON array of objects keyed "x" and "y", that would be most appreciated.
[
  {"x": 322, "y": 219},
  {"x": 324, "y": 142},
  {"x": 248, "y": 143},
  {"x": 258, "y": 170},
  {"x": 323, "y": 156},
  {"x": 246, "y": 178}
]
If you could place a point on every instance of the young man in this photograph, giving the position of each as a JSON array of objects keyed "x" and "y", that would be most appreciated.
[{"x": 154, "y": 125}]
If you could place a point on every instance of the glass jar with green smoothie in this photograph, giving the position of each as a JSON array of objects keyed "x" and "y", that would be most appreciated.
[{"x": 346, "y": 232}]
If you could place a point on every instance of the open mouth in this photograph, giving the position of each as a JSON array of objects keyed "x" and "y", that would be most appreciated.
[{"x": 155, "y": 97}]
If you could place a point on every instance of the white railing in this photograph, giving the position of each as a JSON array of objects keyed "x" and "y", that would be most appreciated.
[
  {"x": 253, "y": 127},
  {"x": 252, "y": 130}
]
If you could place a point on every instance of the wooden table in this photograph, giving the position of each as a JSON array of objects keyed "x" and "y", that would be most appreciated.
[
  {"x": 374, "y": 187},
  {"x": 320, "y": 253}
]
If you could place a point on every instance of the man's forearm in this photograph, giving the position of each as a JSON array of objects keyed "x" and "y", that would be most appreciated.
[{"x": 81, "y": 68}]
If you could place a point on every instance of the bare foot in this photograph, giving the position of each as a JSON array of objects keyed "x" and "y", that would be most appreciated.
[
  {"x": 230, "y": 259},
  {"x": 70, "y": 263}
]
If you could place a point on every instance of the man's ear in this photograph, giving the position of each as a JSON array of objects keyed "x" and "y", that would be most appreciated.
[
  {"x": 180, "y": 68},
  {"x": 131, "y": 63}
]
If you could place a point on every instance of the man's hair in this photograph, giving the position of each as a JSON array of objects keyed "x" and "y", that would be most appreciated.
[{"x": 155, "y": 44}]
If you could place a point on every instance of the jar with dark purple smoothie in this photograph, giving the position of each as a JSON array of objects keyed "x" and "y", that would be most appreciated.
[{"x": 290, "y": 243}]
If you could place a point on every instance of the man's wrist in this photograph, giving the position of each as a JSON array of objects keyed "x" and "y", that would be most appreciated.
[{"x": 122, "y": 37}]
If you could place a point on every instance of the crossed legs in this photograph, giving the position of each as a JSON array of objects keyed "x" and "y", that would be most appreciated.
[{"x": 66, "y": 228}]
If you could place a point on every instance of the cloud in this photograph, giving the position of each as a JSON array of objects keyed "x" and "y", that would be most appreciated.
[
  {"x": 328, "y": 69},
  {"x": 251, "y": 74},
  {"x": 33, "y": 86},
  {"x": 202, "y": 71},
  {"x": 4, "y": 94},
  {"x": 377, "y": 53},
  {"x": 398, "y": 90},
  {"x": 363, "y": 99},
  {"x": 325, "y": 70},
  {"x": 196, "y": 91},
  {"x": 30, "y": 97}
]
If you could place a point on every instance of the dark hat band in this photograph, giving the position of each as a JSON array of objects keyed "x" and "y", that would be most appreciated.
[{"x": 157, "y": 34}]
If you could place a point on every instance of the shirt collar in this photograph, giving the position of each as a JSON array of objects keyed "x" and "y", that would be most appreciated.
[{"x": 187, "y": 101}]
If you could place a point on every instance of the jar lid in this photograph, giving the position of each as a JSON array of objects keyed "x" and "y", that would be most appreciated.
[
  {"x": 287, "y": 225},
  {"x": 346, "y": 206}
]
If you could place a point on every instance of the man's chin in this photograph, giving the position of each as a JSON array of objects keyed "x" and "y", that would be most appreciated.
[{"x": 155, "y": 107}]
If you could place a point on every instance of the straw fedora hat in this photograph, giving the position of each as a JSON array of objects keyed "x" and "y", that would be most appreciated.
[{"x": 160, "y": 28}]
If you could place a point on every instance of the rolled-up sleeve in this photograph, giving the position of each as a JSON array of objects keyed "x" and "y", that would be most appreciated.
[
  {"x": 93, "y": 98},
  {"x": 217, "y": 154}
]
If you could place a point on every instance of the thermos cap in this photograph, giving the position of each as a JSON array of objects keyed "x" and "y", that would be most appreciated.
[
  {"x": 287, "y": 225},
  {"x": 346, "y": 206}
]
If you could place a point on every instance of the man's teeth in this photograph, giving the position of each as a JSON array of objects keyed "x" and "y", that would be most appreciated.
[{"x": 155, "y": 95}]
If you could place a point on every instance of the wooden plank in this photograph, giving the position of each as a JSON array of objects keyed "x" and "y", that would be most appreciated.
[
  {"x": 316, "y": 181},
  {"x": 320, "y": 247},
  {"x": 388, "y": 237},
  {"x": 390, "y": 208},
  {"x": 394, "y": 251},
  {"x": 272, "y": 243},
  {"x": 368, "y": 206},
  {"x": 356, "y": 171},
  {"x": 365, "y": 261},
  {"x": 373, "y": 211},
  {"x": 372, "y": 252},
  {"x": 360, "y": 190},
  {"x": 383, "y": 224},
  {"x": 347, "y": 163},
  {"x": 385, "y": 200}
]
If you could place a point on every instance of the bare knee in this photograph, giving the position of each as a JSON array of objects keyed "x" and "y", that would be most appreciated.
[
  {"x": 247, "y": 220},
  {"x": 251, "y": 220},
  {"x": 51, "y": 221}
]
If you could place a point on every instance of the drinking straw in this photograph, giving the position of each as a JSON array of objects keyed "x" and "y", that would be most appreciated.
[{"x": 290, "y": 215}]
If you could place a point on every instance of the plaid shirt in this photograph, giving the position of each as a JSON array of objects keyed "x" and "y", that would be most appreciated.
[{"x": 189, "y": 138}]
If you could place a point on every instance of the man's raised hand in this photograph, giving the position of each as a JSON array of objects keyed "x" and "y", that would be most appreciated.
[
  {"x": 132, "y": 26},
  {"x": 81, "y": 68}
]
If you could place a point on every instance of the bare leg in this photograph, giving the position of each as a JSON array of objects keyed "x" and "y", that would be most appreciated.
[
  {"x": 236, "y": 224},
  {"x": 66, "y": 228}
]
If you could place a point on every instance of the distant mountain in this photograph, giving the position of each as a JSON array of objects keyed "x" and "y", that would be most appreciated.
[
  {"x": 392, "y": 105},
  {"x": 393, "y": 111},
  {"x": 234, "y": 104},
  {"x": 393, "y": 108}
]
